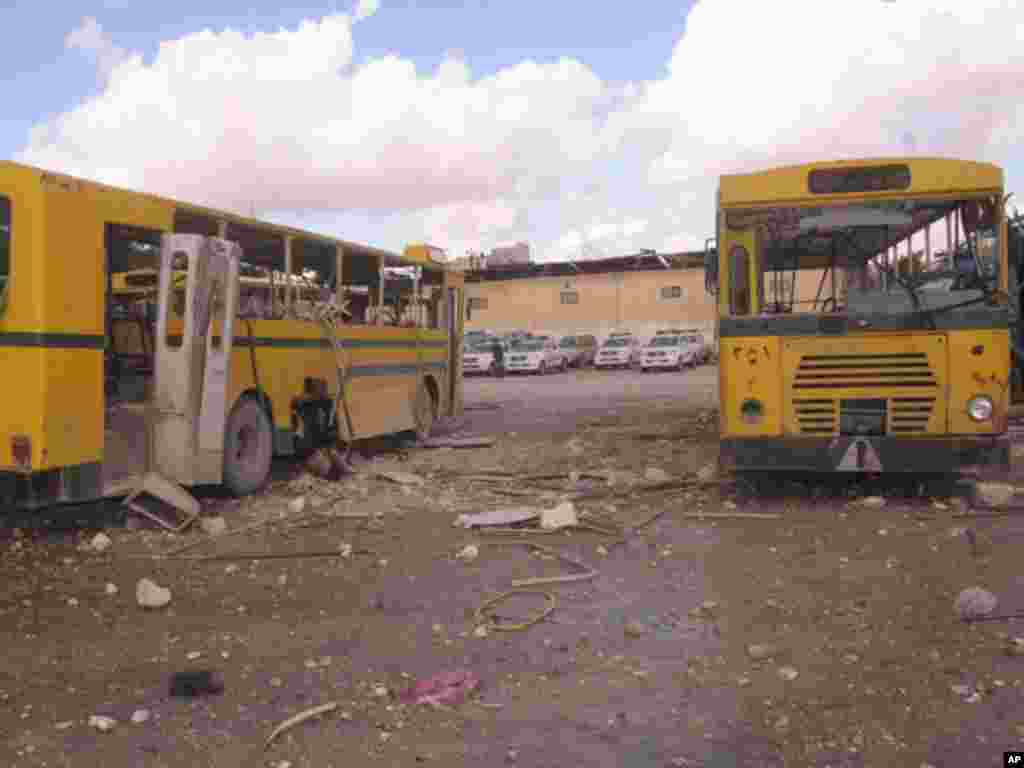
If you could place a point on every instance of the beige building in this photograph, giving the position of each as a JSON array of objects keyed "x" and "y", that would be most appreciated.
[{"x": 641, "y": 294}]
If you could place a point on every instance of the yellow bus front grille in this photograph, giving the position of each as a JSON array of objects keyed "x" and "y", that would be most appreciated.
[
  {"x": 816, "y": 416},
  {"x": 895, "y": 392},
  {"x": 909, "y": 369}
]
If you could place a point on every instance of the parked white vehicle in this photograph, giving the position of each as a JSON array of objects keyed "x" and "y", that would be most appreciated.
[
  {"x": 478, "y": 357},
  {"x": 668, "y": 352},
  {"x": 535, "y": 356},
  {"x": 701, "y": 347},
  {"x": 618, "y": 351}
]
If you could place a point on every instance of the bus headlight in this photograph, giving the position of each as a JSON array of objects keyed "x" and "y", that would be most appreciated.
[
  {"x": 980, "y": 407},
  {"x": 752, "y": 411}
]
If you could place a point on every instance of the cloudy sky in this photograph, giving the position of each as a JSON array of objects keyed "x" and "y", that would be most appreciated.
[{"x": 584, "y": 128}]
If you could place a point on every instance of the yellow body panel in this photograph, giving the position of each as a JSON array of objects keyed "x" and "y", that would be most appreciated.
[
  {"x": 929, "y": 176},
  {"x": 979, "y": 365},
  {"x": 753, "y": 369}
]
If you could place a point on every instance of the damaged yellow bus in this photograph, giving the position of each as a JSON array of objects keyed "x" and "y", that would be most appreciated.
[
  {"x": 315, "y": 323},
  {"x": 863, "y": 317}
]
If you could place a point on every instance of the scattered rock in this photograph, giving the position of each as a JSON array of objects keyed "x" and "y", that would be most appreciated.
[
  {"x": 760, "y": 651},
  {"x": 100, "y": 542},
  {"x": 193, "y": 655},
  {"x": 468, "y": 553},
  {"x": 993, "y": 494},
  {"x": 707, "y": 473},
  {"x": 276, "y": 682},
  {"x": 140, "y": 716},
  {"x": 148, "y": 594},
  {"x": 788, "y": 673},
  {"x": 214, "y": 526},
  {"x": 635, "y": 629},
  {"x": 656, "y": 475},
  {"x": 872, "y": 502},
  {"x": 602, "y": 550},
  {"x": 102, "y": 723},
  {"x": 63, "y": 725},
  {"x": 402, "y": 478},
  {"x": 743, "y": 682},
  {"x": 345, "y": 550},
  {"x": 380, "y": 691},
  {"x": 511, "y": 756},
  {"x": 575, "y": 447},
  {"x": 975, "y": 602},
  {"x": 562, "y": 516},
  {"x": 110, "y": 589},
  {"x": 1015, "y": 646},
  {"x": 296, "y": 505},
  {"x": 481, "y": 632}
]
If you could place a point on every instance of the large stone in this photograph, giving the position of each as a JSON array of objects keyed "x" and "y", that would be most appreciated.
[
  {"x": 975, "y": 602},
  {"x": 214, "y": 526},
  {"x": 993, "y": 494},
  {"x": 151, "y": 595}
]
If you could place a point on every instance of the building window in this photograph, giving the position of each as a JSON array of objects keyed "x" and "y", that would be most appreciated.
[
  {"x": 477, "y": 303},
  {"x": 669, "y": 292},
  {"x": 570, "y": 297}
]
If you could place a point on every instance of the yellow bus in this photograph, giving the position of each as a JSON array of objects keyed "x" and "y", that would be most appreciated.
[
  {"x": 863, "y": 317},
  {"x": 77, "y": 351}
]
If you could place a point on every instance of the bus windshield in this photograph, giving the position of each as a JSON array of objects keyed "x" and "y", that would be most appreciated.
[{"x": 871, "y": 257}]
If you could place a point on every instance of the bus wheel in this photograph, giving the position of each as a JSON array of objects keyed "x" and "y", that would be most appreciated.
[
  {"x": 248, "y": 447},
  {"x": 425, "y": 412}
]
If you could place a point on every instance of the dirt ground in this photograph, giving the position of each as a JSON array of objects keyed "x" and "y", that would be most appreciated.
[{"x": 847, "y": 595}]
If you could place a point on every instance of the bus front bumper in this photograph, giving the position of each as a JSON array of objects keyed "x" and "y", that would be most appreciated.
[{"x": 960, "y": 454}]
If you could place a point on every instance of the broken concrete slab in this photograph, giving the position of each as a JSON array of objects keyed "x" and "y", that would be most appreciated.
[{"x": 498, "y": 517}]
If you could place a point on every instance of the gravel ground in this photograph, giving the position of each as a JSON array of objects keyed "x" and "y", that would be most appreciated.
[{"x": 848, "y": 593}]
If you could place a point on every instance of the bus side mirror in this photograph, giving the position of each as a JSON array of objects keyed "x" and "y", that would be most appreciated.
[{"x": 711, "y": 266}]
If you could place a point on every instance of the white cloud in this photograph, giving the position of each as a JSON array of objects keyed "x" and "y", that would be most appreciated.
[
  {"x": 90, "y": 38},
  {"x": 544, "y": 152},
  {"x": 366, "y": 8}
]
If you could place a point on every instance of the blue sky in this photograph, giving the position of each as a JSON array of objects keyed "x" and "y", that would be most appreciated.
[
  {"x": 439, "y": 129},
  {"x": 44, "y": 79}
]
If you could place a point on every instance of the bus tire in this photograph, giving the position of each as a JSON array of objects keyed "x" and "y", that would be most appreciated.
[{"x": 248, "y": 447}]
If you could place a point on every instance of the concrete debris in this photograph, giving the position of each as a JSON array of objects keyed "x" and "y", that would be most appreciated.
[
  {"x": 635, "y": 629},
  {"x": 468, "y": 553},
  {"x": 788, "y": 673},
  {"x": 993, "y": 494},
  {"x": 499, "y": 517},
  {"x": 401, "y": 478},
  {"x": 140, "y": 716},
  {"x": 319, "y": 464},
  {"x": 149, "y": 594},
  {"x": 872, "y": 502},
  {"x": 481, "y": 632},
  {"x": 707, "y": 473},
  {"x": 975, "y": 603},
  {"x": 100, "y": 542},
  {"x": 214, "y": 526},
  {"x": 656, "y": 475},
  {"x": 1015, "y": 646},
  {"x": 761, "y": 651},
  {"x": 345, "y": 550},
  {"x": 111, "y": 589},
  {"x": 562, "y": 516},
  {"x": 296, "y": 505},
  {"x": 102, "y": 723}
]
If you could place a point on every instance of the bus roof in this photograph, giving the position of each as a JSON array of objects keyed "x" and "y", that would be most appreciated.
[
  {"x": 928, "y": 176},
  {"x": 249, "y": 229}
]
